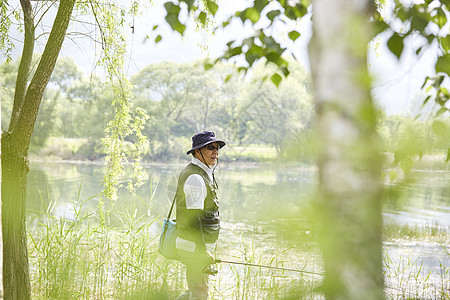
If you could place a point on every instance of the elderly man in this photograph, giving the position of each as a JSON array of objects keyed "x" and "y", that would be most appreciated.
[{"x": 198, "y": 221}]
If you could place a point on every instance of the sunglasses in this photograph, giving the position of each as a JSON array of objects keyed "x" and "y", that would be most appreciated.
[{"x": 212, "y": 147}]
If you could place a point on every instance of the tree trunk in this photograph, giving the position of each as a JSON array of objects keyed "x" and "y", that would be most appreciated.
[
  {"x": 15, "y": 255},
  {"x": 15, "y": 144},
  {"x": 349, "y": 192},
  {"x": 1, "y": 238}
]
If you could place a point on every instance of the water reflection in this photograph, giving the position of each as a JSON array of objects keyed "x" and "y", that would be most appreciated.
[
  {"x": 247, "y": 193},
  {"x": 424, "y": 199}
]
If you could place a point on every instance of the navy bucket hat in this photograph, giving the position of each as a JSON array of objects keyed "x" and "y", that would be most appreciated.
[{"x": 204, "y": 138}]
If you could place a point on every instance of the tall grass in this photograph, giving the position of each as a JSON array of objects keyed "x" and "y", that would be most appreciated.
[
  {"x": 406, "y": 279},
  {"x": 92, "y": 256},
  {"x": 85, "y": 257},
  {"x": 107, "y": 254},
  {"x": 433, "y": 232}
]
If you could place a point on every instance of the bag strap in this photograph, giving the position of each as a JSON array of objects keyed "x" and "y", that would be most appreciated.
[{"x": 171, "y": 207}]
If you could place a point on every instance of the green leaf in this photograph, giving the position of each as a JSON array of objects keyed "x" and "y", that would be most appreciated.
[
  {"x": 276, "y": 79},
  {"x": 448, "y": 155},
  {"x": 260, "y": 5},
  {"x": 249, "y": 14},
  {"x": 441, "y": 98},
  {"x": 172, "y": 8},
  {"x": 208, "y": 66},
  {"x": 248, "y": 41},
  {"x": 158, "y": 39},
  {"x": 155, "y": 27},
  {"x": 443, "y": 64},
  {"x": 172, "y": 17},
  {"x": 446, "y": 3},
  {"x": 272, "y": 14},
  {"x": 293, "y": 35},
  {"x": 418, "y": 22},
  {"x": 232, "y": 52},
  {"x": 445, "y": 43},
  {"x": 295, "y": 12},
  {"x": 252, "y": 14},
  {"x": 243, "y": 69},
  {"x": 301, "y": 10},
  {"x": 425, "y": 81},
  {"x": 285, "y": 71},
  {"x": 419, "y": 50},
  {"x": 406, "y": 164},
  {"x": 438, "y": 81},
  {"x": 440, "y": 18},
  {"x": 439, "y": 128},
  {"x": 395, "y": 44},
  {"x": 426, "y": 101},
  {"x": 212, "y": 7},
  {"x": 189, "y": 3},
  {"x": 175, "y": 23},
  {"x": 271, "y": 43},
  {"x": 273, "y": 57},
  {"x": 290, "y": 12},
  {"x": 228, "y": 77},
  {"x": 202, "y": 17},
  {"x": 253, "y": 53}
]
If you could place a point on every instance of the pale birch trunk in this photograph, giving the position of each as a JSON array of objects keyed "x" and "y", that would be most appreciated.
[{"x": 349, "y": 193}]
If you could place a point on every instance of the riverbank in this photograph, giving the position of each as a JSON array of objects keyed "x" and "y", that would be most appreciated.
[
  {"x": 83, "y": 151},
  {"x": 71, "y": 149}
]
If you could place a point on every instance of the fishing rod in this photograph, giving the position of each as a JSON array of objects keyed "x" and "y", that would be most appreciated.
[{"x": 264, "y": 266}]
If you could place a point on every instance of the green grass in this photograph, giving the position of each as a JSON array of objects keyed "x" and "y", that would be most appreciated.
[
  {"x": 84, "y": 258},
  {"x": 406, "y": 279},
  {"x": 82, "y": 149},
  {"x": 113, "y": 255},
  {"x": 249, "y": 153},
  {"x": 426, "y": 232},
  {"x": 101, "y": 255}
]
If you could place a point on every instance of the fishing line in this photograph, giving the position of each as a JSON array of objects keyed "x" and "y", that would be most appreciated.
[{"x": 268, "y": 267}]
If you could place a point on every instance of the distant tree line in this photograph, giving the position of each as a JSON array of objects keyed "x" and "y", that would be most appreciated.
[{"x": 183, "y": 98}]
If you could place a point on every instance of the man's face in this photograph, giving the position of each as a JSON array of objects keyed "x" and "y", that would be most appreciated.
[{"x": 210, "y": 153}]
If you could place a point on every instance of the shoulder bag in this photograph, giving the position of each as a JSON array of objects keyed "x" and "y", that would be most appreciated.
[{"x": 167, "y": 240}]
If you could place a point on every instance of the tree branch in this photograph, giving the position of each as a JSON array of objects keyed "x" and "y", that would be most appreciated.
[
  {"x": 25, "y": 63},
  {"x": 46, "y": 10},
  {"x": 102, "y": 34},
  {"x": 36, "y": 88}
]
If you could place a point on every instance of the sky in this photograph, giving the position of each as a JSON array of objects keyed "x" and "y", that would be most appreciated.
[{"x": 397, "y": 83}]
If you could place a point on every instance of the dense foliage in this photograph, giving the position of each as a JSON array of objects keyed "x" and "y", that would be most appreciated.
[
  {"x": 182, "y": 98},
  {"x": 179, "y": 99}
]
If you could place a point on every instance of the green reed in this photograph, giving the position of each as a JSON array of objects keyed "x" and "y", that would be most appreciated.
[
  {"x": 90, "y": 257},
  {"x": 101, "y": 255},
  {"x": 433, "y": 232},
  {"x": 113, "y": 255},
  {"x": 406, "y": 279}
]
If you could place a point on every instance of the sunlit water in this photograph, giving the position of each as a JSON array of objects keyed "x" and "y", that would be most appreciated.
[{"x": 258, "y": 205}]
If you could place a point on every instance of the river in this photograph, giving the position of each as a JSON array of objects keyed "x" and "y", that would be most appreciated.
[{"x": 260, "y": 201}]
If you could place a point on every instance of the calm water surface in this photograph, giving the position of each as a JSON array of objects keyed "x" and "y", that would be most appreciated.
[{"x": 248, "y": 193}]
